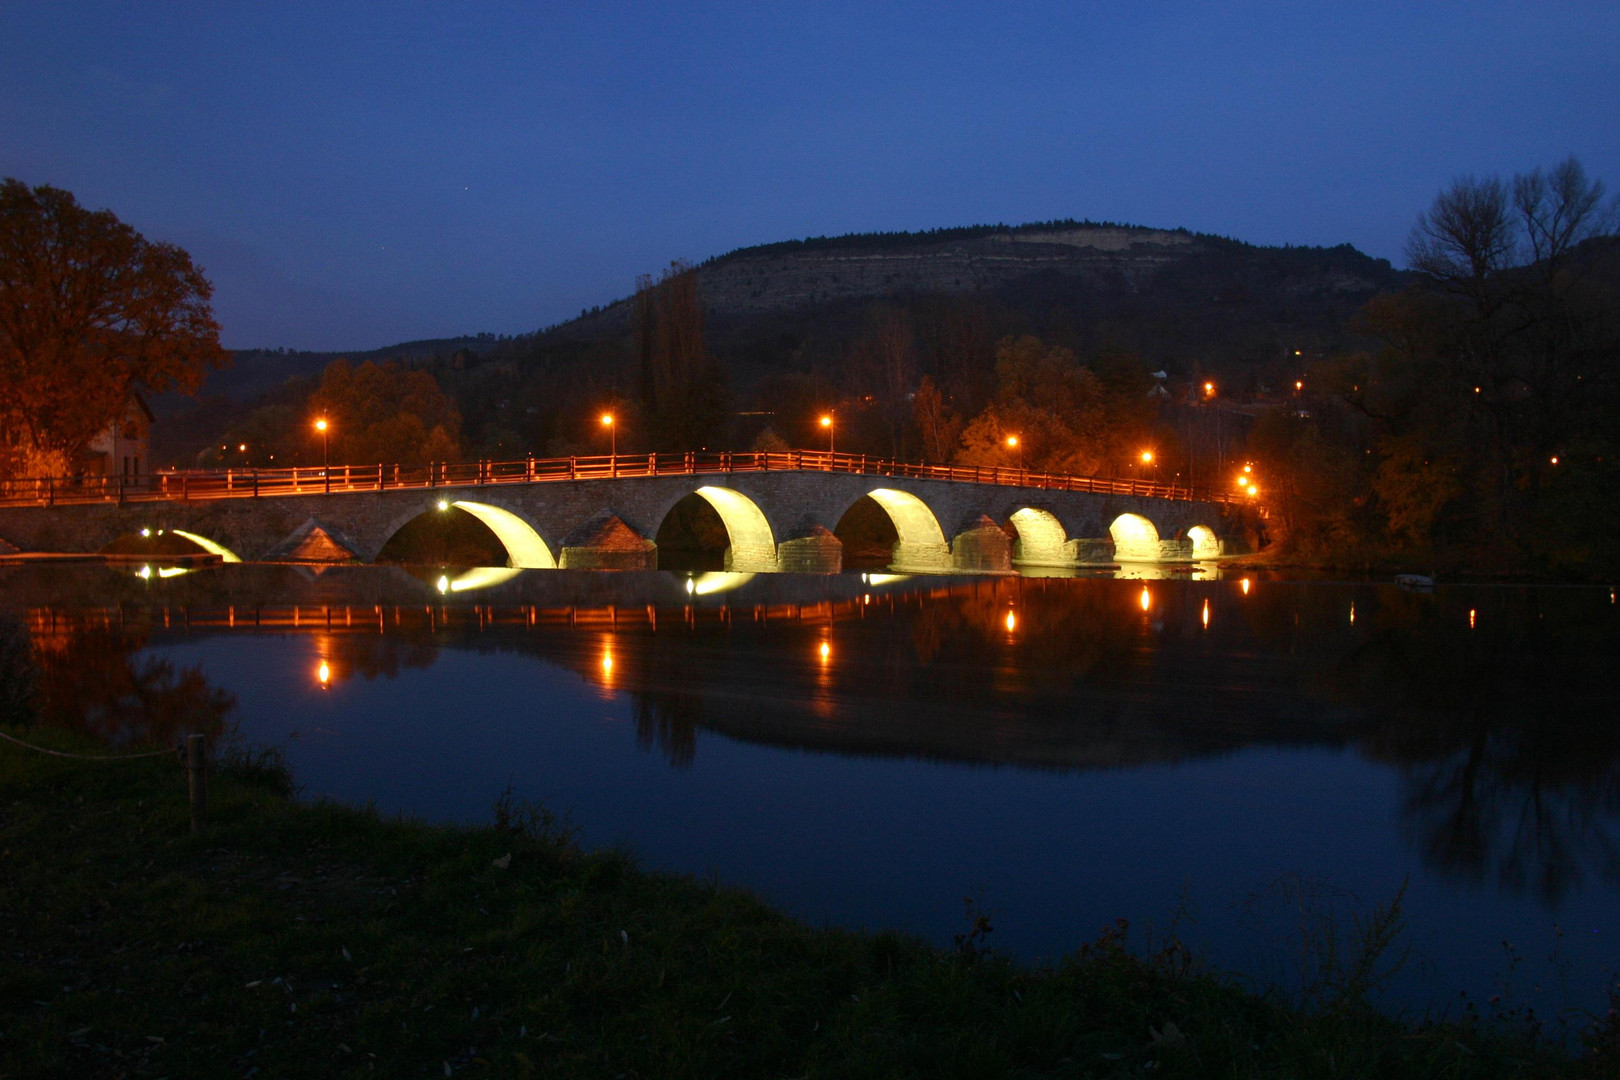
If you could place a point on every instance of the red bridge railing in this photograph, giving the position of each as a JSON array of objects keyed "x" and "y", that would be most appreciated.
[{"x": 182, "y": 486}]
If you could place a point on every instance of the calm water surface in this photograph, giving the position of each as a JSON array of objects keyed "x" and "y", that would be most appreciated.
[{"x": 1269, "y": 759}]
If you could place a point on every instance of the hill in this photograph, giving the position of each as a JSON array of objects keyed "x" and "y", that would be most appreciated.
[
  {"x": 1087, "y": 271},
  {"x": 785, "y": 320}
]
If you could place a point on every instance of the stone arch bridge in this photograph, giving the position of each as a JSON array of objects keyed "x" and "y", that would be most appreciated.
[{"x": 779, "y": 515}]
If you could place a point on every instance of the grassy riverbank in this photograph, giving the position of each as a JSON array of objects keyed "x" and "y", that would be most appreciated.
[{"x": 314, "y": 940}]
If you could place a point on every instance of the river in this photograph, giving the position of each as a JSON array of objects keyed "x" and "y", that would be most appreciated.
[{"x": 1251, "y": 765}]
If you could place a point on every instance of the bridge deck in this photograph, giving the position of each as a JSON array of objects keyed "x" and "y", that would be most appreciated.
[{"x": 190, "y": 486}]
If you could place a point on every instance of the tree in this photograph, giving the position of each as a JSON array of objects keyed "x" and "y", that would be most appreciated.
[
  {"x": 1068, "y": 418},
  {"x": 937, "y": 422},
  {"x": 1496, "y": 377},
  {"x": 683, "y": 389},
  {"x": 90, "y": 311},
  {"x": 386, "y": 413}
]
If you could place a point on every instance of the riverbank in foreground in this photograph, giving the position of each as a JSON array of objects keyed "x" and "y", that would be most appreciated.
[{"x": 295, "y": 939}]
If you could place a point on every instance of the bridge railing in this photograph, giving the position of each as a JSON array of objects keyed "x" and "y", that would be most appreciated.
[{"x": 189, "y": 485}]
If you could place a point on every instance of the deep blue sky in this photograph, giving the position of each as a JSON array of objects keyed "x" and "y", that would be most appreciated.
[{"x": 398, "y": 171}]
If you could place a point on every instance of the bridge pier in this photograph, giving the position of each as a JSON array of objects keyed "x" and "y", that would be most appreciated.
[
  {"x": 817, "y": 551},
  {"x": 983, "y": 547}
]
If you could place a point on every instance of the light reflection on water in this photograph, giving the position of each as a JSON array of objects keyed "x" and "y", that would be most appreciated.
[{"x": 867, "y": 751}]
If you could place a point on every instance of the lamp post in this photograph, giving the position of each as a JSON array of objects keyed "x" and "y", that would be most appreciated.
[
  {"x": 613, "y": 443},
  {"x": 827, "y": 422},
  {"x": 1014, "y": 444},
  {"x": 326, "y": 456},
  {"x": 1147, "y": 459}
]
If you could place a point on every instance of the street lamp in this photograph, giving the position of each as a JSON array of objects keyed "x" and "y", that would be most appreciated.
[
  {"x": 1147, "y": 459},
  {"x": 1014, "y": 444},
  {"x": 613, "y": 443},
  {"x": 827, "y": 422},
  {"x": 326, "y": 456}
]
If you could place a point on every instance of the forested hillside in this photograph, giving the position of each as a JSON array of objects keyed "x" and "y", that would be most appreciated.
[{"x": 793, "y": 329}]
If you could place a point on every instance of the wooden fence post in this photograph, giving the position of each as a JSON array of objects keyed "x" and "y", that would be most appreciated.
[{"x": 197, "y": 768}]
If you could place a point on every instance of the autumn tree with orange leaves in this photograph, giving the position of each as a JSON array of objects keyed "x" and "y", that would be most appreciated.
[{"x": 90, "y": 311}]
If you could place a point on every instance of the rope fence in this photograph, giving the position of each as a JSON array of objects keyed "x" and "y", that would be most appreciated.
[
  {"x": 195, "y": 753},
  {"x": 89, "y": 757}
]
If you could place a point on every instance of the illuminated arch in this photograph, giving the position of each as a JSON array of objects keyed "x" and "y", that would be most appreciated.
[
  {"x": 1041, "y": 538},
  {"x": 912, "y": 519},
  {"x": 921, "y": 542},
  {"x": 1135, "y": 539},
  {"x": 524, "y": 548},
  {"x": 753, "y": 545},
  {"x": 209, "y": 546},
  {"x": 1205, "y": 544}
]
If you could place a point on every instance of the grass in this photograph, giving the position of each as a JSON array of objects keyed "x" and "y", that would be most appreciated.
[{"x": 295, "y": 939}]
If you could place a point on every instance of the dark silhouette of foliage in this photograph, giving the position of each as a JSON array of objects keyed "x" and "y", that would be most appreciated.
[
  {"x": 90, "y": 311},
  {"x": 682, "y": 388},
  {"x": 1484, "y": 418}
]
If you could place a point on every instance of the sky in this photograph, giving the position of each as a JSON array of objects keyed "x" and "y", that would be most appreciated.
[{"x": 356, "y": 175}]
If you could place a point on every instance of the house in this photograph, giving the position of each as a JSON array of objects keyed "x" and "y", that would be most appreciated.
[{"x": 124, "y": 448}]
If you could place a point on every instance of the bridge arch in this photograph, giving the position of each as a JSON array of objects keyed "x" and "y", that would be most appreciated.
[
  {"x": 1135, "y": 539},
  {"x": 918, "y": 541},
  {"x": 523, "y": 545},
  {"x": 525, "y": 550},
  {"x": 684, "y": 536},
  {"x": 1205, "y": 544},
  {"x": 210, "y": 546},
  {"x": 155, "y": 543},
  {"x": 1041, "y": 538}
]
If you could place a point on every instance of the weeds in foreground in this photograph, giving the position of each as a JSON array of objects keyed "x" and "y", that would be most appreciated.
[
  {"x": 1345, "y": 952},
  {"x": 532, "y": 823},
  {"x": 265, "y": 767},
  {"x": 970, "y": 943}
]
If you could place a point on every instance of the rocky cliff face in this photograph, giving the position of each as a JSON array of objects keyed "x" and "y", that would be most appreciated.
[
  {"x": 1082, "y": 262},
  {"x": 758, "y": 281}
]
